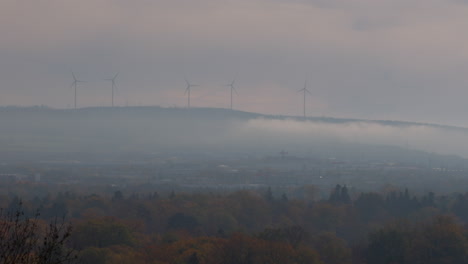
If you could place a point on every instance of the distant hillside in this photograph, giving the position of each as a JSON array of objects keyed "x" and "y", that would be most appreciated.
[
  {"x": 205, "y": 113},
  {"x": 106, "y": 131}
]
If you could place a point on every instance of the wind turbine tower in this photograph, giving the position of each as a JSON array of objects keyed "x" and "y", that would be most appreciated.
[
  {"x": 231, "y": 87},
  {"x": 305, "y": 91},
  {"x": 75, "y": 84},
  {"x": 187, "y": 91},
  {"x": 113, "y": 86}
]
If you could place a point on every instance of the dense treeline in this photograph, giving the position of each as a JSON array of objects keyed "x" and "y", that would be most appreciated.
[{"x": 262, "y": 227}]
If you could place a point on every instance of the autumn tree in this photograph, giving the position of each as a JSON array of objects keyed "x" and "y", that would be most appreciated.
[
  {"x": 441, "y": 240},
  {"x": 332, "y": 249},
  {"x": 292, "y": 235},
  {"x": 24, "y": 240},
  {"x": 340, "y": 195},
  {"x": 388, "y": 246},
  {"x": 369, "y": 206},
  {"x": 102, "y": 233}
]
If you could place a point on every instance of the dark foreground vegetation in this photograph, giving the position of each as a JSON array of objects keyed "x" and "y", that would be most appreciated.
[
  {"x": 391, "y": 226},
  {"x": 28, "y": 240}
]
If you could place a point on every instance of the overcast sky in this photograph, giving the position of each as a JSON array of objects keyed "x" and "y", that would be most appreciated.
[{"x": 372, "y": 59}]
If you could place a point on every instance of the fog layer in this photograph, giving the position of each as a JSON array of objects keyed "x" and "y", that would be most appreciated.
[{"x": 156, "y": 130}]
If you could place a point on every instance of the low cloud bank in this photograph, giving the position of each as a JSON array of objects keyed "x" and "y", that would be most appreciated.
[
  {"x": 442, "y": 140},
  {"x": 169, "y": 130}
]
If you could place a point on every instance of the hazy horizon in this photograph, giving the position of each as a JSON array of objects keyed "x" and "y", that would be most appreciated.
[
  {"x": 386, "y": 60},
  {"x": 160, "y": 130}
]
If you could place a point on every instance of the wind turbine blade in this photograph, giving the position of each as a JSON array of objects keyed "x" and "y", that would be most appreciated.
[
  {"x": 186, "y": 90},
  {"x": 308, "y": 91},
  {"x": 234, "y": 89},
  {"x": 73, "y": 74},
  {"x": 117, "y": 74}
]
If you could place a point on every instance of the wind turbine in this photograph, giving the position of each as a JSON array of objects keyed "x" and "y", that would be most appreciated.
[
  {"x": 305, "y": 90},
  {"x": 75, "y": 84},
  {"x": 187, "y": 90},
  {"x": 113, "y": 86},
  {"x": 231, "y": 86}
]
